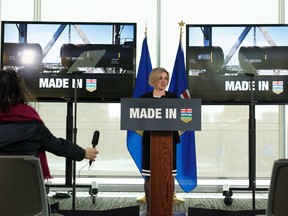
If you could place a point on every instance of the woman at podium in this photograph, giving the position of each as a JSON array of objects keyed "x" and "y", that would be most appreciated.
[{"x": 158, "y": 79}]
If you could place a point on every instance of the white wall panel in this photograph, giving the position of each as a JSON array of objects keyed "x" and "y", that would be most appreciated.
[{"x": 17, "y": 9}]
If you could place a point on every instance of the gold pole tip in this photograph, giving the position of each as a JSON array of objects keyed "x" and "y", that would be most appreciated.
[{"x": 181, "y": 24}]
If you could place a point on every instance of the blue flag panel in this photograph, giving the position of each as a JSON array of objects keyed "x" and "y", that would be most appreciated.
[
  {"x": 134, "y": 138},
  {"x": 186, "y": 154}
]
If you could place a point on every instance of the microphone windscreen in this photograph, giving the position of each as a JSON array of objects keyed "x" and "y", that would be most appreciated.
[{"x": 95, "y": 138}]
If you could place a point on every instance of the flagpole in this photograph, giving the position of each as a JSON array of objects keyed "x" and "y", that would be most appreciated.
[
  {"x": 158, "y": 38},
  {"x": 186, "y": 152},
  {"x": 134, "y": 138},
  {"x": 181, "y": 24}
]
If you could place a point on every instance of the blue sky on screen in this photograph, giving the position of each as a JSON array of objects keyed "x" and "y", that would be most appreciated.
[
  {"x": 226, "y": 36},
  {"x": 42, "y": 33}
]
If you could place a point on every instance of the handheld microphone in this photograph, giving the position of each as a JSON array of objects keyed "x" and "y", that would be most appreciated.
[{"x": 95, "y": 140}]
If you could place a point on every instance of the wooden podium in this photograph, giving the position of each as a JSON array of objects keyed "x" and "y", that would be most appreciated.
[
  {"x": 161, "y": 191},
  {"x": 161, "y": 117}
]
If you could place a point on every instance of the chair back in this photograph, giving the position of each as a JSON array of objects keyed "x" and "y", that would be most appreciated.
[
  {"x": 22, "y": 189},
  {"x": 278, "y": 191}
]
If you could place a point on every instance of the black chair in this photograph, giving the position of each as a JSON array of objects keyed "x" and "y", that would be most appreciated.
[
  {"x": 278, "y": 191},
  {"x": 22, "y": 187}
]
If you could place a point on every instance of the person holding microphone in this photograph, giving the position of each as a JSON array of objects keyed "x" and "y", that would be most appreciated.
[{"x": 22, "y": 130}]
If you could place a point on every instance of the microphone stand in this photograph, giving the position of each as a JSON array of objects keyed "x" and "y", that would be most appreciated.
[
  {"x": 252, "y": 140},
  {"x": 251, "y": 72},
  {"x": 74, "y": 139},
  {"x": 95, "y": 55}
]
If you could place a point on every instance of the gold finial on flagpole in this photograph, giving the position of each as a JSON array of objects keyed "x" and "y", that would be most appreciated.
[
  {"x": 181, "y": 24},
  {"x": 145, "y": 33}
]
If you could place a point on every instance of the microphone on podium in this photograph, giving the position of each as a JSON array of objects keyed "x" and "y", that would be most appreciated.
[{"x": 95, "y": 140}]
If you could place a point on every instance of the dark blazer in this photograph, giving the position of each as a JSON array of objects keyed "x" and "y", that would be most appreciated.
[
  {"x": 167, "y": 95},
  {"x": 31, "y": 137}
]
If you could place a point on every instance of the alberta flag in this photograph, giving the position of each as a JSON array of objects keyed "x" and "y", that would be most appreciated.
[
  {"x": 134, "y": 138},
  {"x": 186, "y": 155}
]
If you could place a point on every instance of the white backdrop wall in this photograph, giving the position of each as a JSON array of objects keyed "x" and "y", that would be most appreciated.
[{"x": 222, "y": 145}]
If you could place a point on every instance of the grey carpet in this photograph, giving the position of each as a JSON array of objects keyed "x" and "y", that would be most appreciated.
[{"x": 109, "y": 200}]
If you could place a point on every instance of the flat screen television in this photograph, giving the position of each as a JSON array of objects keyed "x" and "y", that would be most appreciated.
[
  {"x": 226, "y": 64},
  {"x": 49, "y": 56}
]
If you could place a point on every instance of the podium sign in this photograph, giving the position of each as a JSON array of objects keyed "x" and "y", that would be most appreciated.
[
  {"x": 165, "y": 114},
  {"x": 161, "y": 117}
]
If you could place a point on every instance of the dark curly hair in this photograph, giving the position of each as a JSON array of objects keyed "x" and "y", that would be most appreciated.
[{"x": 13, "y": 90}]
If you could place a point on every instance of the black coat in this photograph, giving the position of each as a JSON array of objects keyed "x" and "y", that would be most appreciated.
[{"x": 31, "y": 137}]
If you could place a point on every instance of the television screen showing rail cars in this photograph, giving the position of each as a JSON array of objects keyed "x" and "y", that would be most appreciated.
[
  {"x": 51, "y": 54},
  {"x": 229, "y": 64}
]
